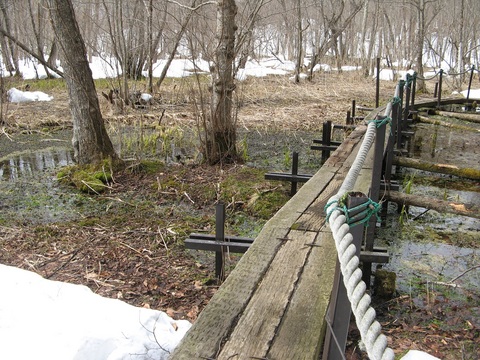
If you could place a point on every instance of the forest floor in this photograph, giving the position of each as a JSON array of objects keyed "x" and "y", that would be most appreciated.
[{"x": 127, "y": 242}]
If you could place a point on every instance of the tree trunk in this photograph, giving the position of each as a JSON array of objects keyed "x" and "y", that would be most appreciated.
[
  {"x": 426, "y": 119},
  {"x": 441, "y": 206},
  {"x": 8, "y": 49},
  {"x": 90, "y": 139},
  {"x": 468, "y": 173},
  {"x": 473, "y": 117},
  {"x": 221, "y": 137}
]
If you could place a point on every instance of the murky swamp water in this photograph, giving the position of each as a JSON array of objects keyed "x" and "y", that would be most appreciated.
[{"x": 428, "y": 246}]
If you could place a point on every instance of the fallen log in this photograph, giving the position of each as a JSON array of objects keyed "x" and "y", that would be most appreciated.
[
  {"x": 464, "y": 116},
  {"x": 468, "y": 173},
  {"x": 441, "y": 206},
  {"x": 429, "y": 120}
]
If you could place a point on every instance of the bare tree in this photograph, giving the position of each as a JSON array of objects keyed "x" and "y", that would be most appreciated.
[
  {"x": 221, "y": 136},
  {"x": 9, "y": 53},
  {"x": 90, "y": 139}
]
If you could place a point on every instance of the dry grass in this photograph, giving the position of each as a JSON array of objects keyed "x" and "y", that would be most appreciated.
[{"x": 273, "y": 102}]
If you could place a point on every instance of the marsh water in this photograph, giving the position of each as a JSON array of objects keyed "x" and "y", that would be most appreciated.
[{"x": 425, "y": 246}]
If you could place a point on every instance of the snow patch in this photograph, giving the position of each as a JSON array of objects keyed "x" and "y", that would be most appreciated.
[
  {"x": 49, "y": 320},
  {"x": 18, "y": 96}
]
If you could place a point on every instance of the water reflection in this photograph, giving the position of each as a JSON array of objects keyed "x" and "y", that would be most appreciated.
[{"x": 26, "y": 164}]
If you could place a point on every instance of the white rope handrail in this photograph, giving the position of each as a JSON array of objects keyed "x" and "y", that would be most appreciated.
[{"x": 370, "y": 329}]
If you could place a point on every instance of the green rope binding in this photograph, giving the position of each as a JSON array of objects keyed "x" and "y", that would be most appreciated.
[
  {"x": 396, "y": 100},
  {"x": 369, "y": 207},
  {"x": 381, "y": 122}
]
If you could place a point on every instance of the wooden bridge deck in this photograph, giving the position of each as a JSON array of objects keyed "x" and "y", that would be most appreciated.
[{"x": 273, "y": 304}]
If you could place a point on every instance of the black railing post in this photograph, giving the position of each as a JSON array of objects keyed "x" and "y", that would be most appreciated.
[
  {"x": 470, "y": 82},
  {"x": 406, "y": 110},
  {"x": 353, "y": 110},
  {"x": 435, "y": 91},
  {"x": 414, "y": 88},
  {"x": 339, "y": 310},
  {"x": 377, "y": 93},
  {"x": 326, "y": 138},
  {"x": 440, "y": 80},
  {"x": 401, "y": 84},
  {"x": 374, "y": 193},
  {"x": 293, "y": 188},
  {"x": 220, "y": 236}
]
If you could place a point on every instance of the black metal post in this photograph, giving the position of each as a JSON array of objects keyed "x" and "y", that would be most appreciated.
[
  {"x": 326, "y": 138},
  {"x": 353, "y": 110},
  {"x": 440, "y": 80},
  {"x": 293, "y": 189},
  {"x": 401, "y": 84},
  {"x": 377, "y": 93},
  {"x": 414, "y": 88},
  {"x": 407, "y": 102},
  {"x": 435, "y": 91},
  {"x": 220, "y": 236},
  {"x": 470, "y": 82},
  {"x": 339, "y": 310},
  {"x": 390, "y": 145},
  {"x": 374, "y": 194}
]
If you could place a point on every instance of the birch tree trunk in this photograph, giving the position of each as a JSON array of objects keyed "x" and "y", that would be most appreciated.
[
  {"x": 90, "y": 139},
  {"x": 221, "y": 137}
]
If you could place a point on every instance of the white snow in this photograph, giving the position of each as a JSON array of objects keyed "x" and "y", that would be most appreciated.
[
  {"x": 18, "y": 96},
  {"x": 146, "y": 97},
  {"x": 418, "y": 355},
  {"x": 44, "y": 319},
  {"x": 474, "y": 94}
]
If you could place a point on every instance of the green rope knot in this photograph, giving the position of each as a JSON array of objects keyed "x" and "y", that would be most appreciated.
[
  {"x": 381, "y": 122},
  {"x": 396, "y": 100},
  {"x": 363, "y": 212}
]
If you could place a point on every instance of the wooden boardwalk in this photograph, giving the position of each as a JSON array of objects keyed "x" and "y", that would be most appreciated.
[{"x": 273, "y": 304}]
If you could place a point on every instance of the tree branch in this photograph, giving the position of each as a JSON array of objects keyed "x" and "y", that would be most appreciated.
[
  {"x": 30, "y": 51},
  {"x": 192, "y": 8}
]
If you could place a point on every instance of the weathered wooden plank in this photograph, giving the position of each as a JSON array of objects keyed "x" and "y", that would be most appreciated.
[
  {"x": 338, "y": 157},
  {"x": 258, "y": 324},
  {"x": 213, "y": 325},
  {"x": 314, "y": 218},
  {"x": 300, "y": 335}
]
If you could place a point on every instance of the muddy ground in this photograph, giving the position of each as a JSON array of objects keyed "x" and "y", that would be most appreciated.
[{"x": 127, "y": 242}]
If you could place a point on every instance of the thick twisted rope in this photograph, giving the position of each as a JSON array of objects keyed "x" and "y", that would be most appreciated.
[{"x": 370, "y": 329}]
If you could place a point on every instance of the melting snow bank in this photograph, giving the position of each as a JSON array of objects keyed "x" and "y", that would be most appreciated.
[
  {"x": 18, "y": 96},
  {"x": 44, "y": 319}
]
